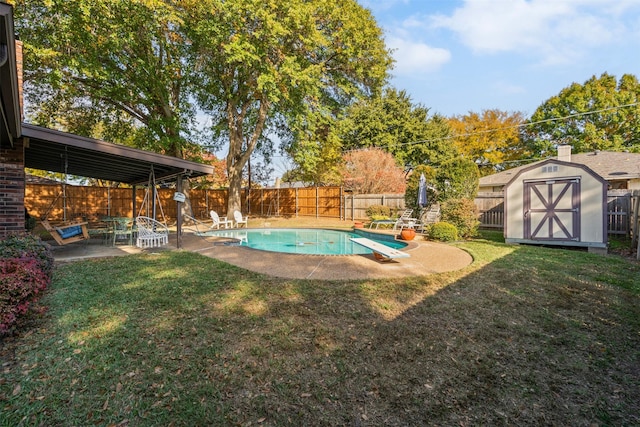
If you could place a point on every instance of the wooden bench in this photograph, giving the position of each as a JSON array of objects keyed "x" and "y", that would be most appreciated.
[
  {"x": 69, "y": 233},
  {"x": 380, "y": 251}
]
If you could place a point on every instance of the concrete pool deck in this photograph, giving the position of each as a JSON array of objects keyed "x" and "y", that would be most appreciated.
[{"x": 426, "y": 258}]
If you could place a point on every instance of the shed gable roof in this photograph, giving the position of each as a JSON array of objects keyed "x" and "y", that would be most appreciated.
[
  {"x": 609, "y": 165},
  {"x": 542, "y": 163}
]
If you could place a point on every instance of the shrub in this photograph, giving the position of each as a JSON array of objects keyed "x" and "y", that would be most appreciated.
[
  {"x": 463, "y": 214},
  {"x": 28, "y": 246},
  {"x": 26, "y": 264},
  {"x": 378, "y": 212},
  {"x": 443, "y": 231},
  {"x": 21, "y": 280},
  {"x": 457, "y": 178}
]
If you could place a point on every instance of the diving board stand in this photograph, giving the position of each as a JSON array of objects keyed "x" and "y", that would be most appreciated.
[{"x": 380, "y": 251}]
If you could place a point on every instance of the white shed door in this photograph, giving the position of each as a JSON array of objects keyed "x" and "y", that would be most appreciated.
[{"x": 552, "y": 210}]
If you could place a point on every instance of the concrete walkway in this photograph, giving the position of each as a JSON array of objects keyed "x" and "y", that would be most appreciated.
[{"x": 426, "y": 258}]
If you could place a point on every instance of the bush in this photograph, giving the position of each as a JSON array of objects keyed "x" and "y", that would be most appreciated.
[
  {"x": 21, "y": 280},
  {"x": 26, "y": 264},
  {"x": 443, "y": 231},
  {"x": 378, "y": 212},
  {"x": 28, "y": 246},
  {"x": 463, "y": 214}
]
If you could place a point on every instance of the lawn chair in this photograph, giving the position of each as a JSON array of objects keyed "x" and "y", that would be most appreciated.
[
  {"x": 151, "y": 233},
  {"x": 239, "y": 219},
  {"x": 218, "y": 221},
  {"x": 69, "y": 233},
  {"x": 403, "y": 219},
  {"x": 123, "y": 230}
]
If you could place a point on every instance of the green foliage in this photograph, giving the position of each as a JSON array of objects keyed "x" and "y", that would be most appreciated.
[
  {"x": 378, "y": 212},
  {"x": 394, "y": 123},
  {"x": 443, "y": 231},
  {"x": 108, "y": 69},
  {"x": 413, "y": 183},
  {"x": 462, "y": 213},
  {"x": 26, "y": 265},
  {"x": 457, "y": 178},
  {"x": 611, "y": 122},
  {"x": 28, "y": 246},
  {"x": 285, "y": 67}
]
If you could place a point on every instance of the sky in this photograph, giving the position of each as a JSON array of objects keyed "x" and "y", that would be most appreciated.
[{"x": 461, "y": 56}]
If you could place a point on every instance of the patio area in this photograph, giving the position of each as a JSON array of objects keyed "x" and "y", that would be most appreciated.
[{"x": 426, "y": 257}]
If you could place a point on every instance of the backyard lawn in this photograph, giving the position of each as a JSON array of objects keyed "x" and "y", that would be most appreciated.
[{"x": 523, "y": 336}]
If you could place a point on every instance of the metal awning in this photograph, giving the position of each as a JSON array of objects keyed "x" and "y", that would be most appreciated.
[{"x": 56, "y": 151}]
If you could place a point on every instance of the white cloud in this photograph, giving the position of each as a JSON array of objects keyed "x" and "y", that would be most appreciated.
[
  {"x": 415, "y": 57},
  {"x": 553, "y": 30}
]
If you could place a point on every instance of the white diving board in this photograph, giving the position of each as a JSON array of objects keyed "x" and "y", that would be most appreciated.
[{"x": 381, "y": 252}]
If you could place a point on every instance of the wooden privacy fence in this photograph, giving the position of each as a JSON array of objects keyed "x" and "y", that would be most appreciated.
[
  {"x": 621, "y": 210},
  {"x": 355, "y": 205},
  {"x": 65, "y": 202}
]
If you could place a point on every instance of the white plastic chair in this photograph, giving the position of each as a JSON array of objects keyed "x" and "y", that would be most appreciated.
[
  {"x": 237, "y": 216},
  {"x": 151, "y": 233},
  {"x": 220, "y": 221}
]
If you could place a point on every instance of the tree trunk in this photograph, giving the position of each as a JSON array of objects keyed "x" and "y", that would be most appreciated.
[{"x": 234, "y": 202}]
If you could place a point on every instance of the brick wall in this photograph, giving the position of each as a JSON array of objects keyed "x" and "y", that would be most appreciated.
[
  {"x": 12, "y": 185},
  {"x": 12, "y": 181}
]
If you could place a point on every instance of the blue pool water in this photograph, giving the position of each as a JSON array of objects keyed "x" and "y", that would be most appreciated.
[{"x": 309, "y": 241}]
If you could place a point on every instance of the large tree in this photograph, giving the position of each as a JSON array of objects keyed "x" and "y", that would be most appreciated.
[
  {"x": 146, "y": 67},
  {"x": 278, "y": 66},
  {"x": 489, "y": 138},
  {"x": 394, "y": 123},
  {"x": 113, "y": 69},
  {"x": 601, "y": 114}
]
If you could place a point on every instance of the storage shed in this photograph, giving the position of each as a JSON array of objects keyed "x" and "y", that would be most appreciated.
[{"x": 557, "y": 203}]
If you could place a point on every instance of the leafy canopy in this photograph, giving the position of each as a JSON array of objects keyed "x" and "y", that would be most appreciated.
[
  {"x": 601, "y": 114},
  {"x": 394, "y": 123},
  {"x": 141, "y": 70},
  {"x": 489, "y": 138}
]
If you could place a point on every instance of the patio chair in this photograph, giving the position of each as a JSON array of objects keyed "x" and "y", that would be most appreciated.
[
  {"x": 151, "y": 233},
  {"x": 122, "y": 229},
  {"x": 239, "y": 219},
  {"x": 403, "y": 219},
  {"x": 220, "y": 221},
  {"x": 69, "y": 233}
]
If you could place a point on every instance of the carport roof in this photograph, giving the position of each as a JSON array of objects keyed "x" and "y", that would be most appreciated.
[{"x": 56, "y": 151}]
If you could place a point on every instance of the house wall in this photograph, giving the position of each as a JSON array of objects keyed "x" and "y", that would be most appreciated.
[
  {"x": 592, "y": 202},
  {"x": 12, "y": 185},
  {"x": 12, "y": 178}
]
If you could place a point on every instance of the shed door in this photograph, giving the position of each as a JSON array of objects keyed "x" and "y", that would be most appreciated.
[{"x": 552, "y": 210}]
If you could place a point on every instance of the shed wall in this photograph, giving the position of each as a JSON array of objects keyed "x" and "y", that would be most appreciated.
[{"x": 592, "y": 202}]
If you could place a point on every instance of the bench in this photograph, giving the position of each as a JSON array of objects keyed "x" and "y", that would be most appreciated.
[{"x": 380, "y": 251}]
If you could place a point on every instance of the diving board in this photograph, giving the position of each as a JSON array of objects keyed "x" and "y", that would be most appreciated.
[{"x": 380, "y": 251}]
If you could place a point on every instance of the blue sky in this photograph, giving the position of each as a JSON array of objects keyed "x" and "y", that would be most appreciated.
[{"x": 456, "y": 56}]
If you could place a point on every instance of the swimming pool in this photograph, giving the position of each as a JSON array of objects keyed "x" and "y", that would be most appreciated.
[{"x": 308, "y": 241}]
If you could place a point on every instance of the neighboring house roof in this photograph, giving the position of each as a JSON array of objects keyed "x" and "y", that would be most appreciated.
[{"x": 609, "y": 165}]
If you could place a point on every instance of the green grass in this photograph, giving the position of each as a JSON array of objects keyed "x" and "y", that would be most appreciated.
[{"x": 524, "y": 336}]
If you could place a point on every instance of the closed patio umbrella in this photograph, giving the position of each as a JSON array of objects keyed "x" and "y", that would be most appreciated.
[{"x": 422, "y": 191}]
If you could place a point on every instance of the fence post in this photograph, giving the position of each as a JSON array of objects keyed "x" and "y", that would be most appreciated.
[{"x": 296, "y": 203}]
